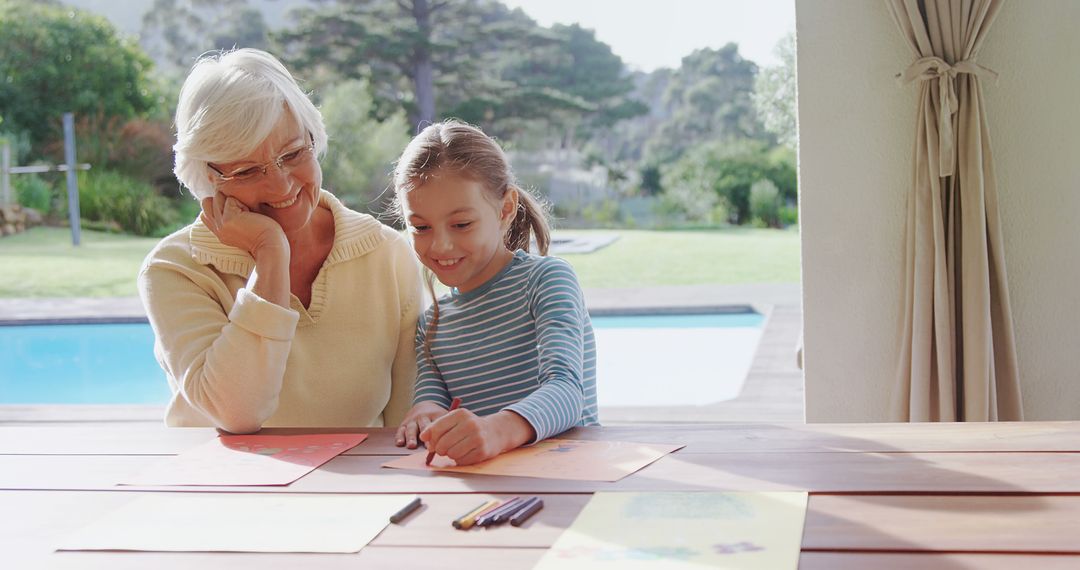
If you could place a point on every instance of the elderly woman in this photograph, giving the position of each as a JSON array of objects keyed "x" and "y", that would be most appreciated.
[{"x": 278, "y": 306}]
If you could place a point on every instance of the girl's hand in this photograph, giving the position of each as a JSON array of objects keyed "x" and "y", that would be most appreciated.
[
  {"x": 418, "y": 419},
  {"x": 234, "y": 224},
  {"x": 468, "y": 438}
]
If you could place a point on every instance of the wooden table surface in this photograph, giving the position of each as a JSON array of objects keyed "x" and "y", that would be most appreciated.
[{"x": 882, "y": 496}]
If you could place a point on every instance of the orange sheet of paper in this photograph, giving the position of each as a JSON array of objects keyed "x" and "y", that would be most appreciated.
[
  {"x": 573, "y": 459},
  {"x": 248, "y": 460}
]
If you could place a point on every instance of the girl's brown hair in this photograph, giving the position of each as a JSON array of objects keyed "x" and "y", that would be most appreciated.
[{"x": 453, "y": 146}]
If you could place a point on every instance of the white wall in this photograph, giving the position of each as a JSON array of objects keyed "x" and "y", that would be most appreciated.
[{"x": 856, "y": 135}]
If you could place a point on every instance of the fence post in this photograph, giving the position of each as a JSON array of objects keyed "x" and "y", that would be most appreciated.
[
  {"x": 5, "y": 173},
  {"x": 72, "y": 181}
]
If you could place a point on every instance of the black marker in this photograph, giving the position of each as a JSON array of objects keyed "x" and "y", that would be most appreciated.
[{"x": 528, "y": 510}]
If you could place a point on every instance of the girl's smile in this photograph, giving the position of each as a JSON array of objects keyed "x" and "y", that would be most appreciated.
[{"x": 458, "y": 232}]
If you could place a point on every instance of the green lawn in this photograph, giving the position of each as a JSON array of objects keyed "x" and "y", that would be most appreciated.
[
  {"x": 43, "y": 263},
  {"x": 644, "y": 258}
]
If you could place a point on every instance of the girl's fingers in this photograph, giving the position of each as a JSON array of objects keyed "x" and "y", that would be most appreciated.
[
  {"x": 435, "y": 430},
  {"x": 399, "y": 436},
  {"x": 462, "y": 449},
  {"x": 470, "y": 458},
  {"x": 443, "y": 443},
  {"x": 411, "y": 430}
]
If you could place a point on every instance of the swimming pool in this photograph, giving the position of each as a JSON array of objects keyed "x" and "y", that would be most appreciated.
[
  {"x": 80, "y": 364},
  {"x": 674, "y": 359},
  {"x": 697, "y": 358}
]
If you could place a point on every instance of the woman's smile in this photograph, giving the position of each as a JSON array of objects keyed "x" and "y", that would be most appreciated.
[{"x": 283, "y": 204}]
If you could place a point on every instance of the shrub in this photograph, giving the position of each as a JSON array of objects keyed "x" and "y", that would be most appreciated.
[
  {"x": 765, "y": 204},
  {"x": 139, "y": 148},
  {"x": 33, "y": 191},
  {"x": 727, "y": 169},
  {"x": 602, "y": 214},
  {"x": 789, "y": 216},
  {"x": 689, "y": 194},
  {"x": 135, "y": 206}
]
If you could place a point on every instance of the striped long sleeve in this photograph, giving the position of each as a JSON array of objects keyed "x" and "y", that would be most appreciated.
[
  {"x": 522, "y": 341},
  {"x": 558, "y": 307}
]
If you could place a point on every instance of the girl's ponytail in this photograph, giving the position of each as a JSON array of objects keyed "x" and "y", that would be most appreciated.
[{"x": 530, "y": 221}]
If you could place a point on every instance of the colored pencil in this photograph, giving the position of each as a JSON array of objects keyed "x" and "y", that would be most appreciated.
[
  {"x": 535, "y": 504},
  {"x": 466, "y": 521},
  {"x": 431, "y": 452},
  {"x": 493, "y": 516},
  {"x": 405, "y": 511}
]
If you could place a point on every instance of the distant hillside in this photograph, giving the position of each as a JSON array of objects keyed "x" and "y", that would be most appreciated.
[{"x": 127, "y": 15}]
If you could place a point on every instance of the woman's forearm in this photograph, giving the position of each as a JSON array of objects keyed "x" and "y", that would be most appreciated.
[{"x": 270, "y": 280}]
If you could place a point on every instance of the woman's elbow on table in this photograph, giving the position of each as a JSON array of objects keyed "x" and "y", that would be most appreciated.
[
  {"x": 240, "y": 418},
  {"x": 239, "y": 424}
]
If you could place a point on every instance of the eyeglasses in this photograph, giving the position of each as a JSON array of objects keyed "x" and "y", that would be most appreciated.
[{"x": 287, "y": 161}]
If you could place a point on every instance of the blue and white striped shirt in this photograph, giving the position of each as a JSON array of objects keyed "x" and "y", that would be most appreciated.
[{"x": 522, "y": 341}]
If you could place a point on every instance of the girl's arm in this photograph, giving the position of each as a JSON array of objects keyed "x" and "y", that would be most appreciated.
[{"x": 558, "y": 307}]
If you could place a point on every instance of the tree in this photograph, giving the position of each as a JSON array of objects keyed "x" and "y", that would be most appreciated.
[
  {"x": 708, "y": 98},
  {"x": 55, "y": 59},
  {"x": 729, "y": 170},
  {"x": 774, "y": 94},
  {"x": 582, "y": 67},
  {"x": 472, "y": 59},
  {"x": 362, "y": 151},
  {"x": 176, "y": 32},
  {"x": 387, "y": 43}
]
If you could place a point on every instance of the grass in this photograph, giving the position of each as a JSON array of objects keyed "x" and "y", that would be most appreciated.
[
  {"x": 642, "y": 258},
  {"x": 43, "y": 263}
]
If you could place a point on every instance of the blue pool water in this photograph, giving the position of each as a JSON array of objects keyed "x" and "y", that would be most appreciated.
[
  {"x": 709, "y": 321},
  {"x": 80, "y": 364},
  {"x": 114, "y": 363}
]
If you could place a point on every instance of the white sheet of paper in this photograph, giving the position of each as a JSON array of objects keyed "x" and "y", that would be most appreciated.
[
  {"x": 683, "y": 531},
  {"x": 248, "y": 522}
]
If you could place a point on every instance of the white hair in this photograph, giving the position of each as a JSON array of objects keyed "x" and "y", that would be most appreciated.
[{"x": 228, "y": 105}]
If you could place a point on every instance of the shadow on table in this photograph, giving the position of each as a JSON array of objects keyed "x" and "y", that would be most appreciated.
[{"x": 885, "y": 471}]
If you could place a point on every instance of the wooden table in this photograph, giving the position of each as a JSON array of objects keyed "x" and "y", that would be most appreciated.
[{"x": 883, "y": 496}]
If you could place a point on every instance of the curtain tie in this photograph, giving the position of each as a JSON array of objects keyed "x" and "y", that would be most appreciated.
[{"x": 933, "y": 67}]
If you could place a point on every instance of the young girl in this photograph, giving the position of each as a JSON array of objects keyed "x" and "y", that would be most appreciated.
[{"x": 512, "y": 339}]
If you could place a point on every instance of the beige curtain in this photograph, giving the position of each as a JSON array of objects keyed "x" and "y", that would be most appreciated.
[{"x": 958, "y": 355}]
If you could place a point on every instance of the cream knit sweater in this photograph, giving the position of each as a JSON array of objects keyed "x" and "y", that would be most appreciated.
[{"x": 239, "y": 362}]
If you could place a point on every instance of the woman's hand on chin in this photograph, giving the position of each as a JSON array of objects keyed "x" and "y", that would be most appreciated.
[{"x": 234, "y": 224}]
